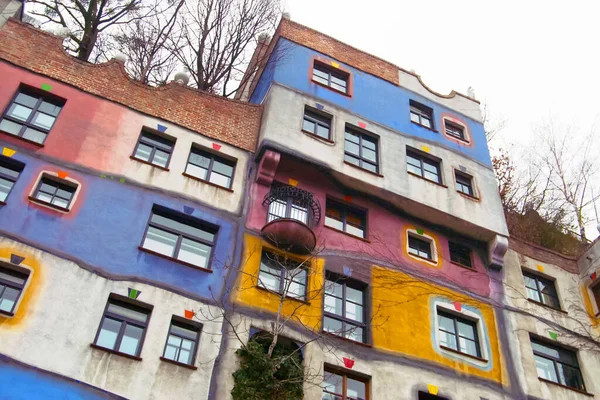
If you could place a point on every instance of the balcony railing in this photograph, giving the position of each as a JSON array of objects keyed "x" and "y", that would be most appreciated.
[{"x": 291, "y": 202}]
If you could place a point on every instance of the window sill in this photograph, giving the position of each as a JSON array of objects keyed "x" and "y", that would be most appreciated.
[
  {"x": 424, "y": 127},
  {"x": 333, "y": 335},
  {"x": 6, "y": 314},
  {"x": 468, "y": 196},
  {"x": 463, "y": 354},
  {"x": 565, "y": 387},
  {"x": 332, "y": 89},
  {"x": 321, "y": 138},
  {"x": 179, "y": 364},
  {"x": 427, "y": 180},
  {"x": 118, "y": 353},
  {"x": 264, "y": 289},
  {"x": 40, "y": 145},
  {"x": 52, "y": 206},
  {"x": 154, "y": 253},
  {"x": 362, "y": 169},
  {"x": 429, "y": 260},
  {"x": 149, "y": 163},
  {"x": 347, "y": 234},
  {"x": 463, "y": 266},
  {"x": 547, "y": 306},
  {"x": 207, "y": 182}
]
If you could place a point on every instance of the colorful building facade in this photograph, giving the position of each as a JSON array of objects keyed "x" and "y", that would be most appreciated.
[{"x": 149, "y": 233}]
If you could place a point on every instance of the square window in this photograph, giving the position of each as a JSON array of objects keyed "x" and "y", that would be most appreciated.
[
  {"x": 12, "y": 284},
  {"x": 361, "y": 149},
  {"x": 458, "y": 333},
  {"x": 423, "y": 166},
  {"x": 182, "y": 341},
  {"x": 55, "y": 192},
  {"x": 180, "y": 237},
  {"x": 9, "y": 173},
  {"x": 557, "y": 364},
  {"x": 460, "y": 254},
  {"x": 455, "y": 130},
  {"x": 154, "y": 149},
  {"x": 291, "y": 202},
  {"x": 420, "y": 247},
  {"x": 123, "y": 325},
  {"x": 210, "y": 167},
  {"x": 31, "y": 115},
  {"x": 331, "y": 77},
  {"x": 282, "y": 275},
  {"x": 541, "y": 290},
  {"x": 421, "y": 114},
  {"x": 344, "y": 308},
  {"x": 346, "y": 218},
  {"x": 464, "y": 183},
  {"x": 338, "y": 385},
  {"x": 316, "y": 123}
]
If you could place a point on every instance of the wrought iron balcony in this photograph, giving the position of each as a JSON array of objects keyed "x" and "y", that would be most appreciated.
[{"x": 292, "y": 213}]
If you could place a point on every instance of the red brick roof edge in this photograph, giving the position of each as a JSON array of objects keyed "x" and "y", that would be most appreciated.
[{"x": 231, "y": 121}]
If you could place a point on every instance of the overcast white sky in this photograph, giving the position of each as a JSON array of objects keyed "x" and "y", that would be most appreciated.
[{"x": 528, "y": 60}]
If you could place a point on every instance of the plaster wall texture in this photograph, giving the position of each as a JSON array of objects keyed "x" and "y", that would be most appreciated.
[
  {"x": 106, "y": 225},
  {"x": 58, "y": 318},
  {"x": 389, "y": 378},
  {"x": 102, "y": 135},
  {"x": 480, "y": 218},
  {"x": 387, "y": 232},
  {"x": 370, "y": 97},
  {"x": 538, "y": 320}
]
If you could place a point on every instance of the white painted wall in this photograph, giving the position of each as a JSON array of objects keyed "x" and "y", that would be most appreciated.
[
  {"x": 483, "y": 219},
  {"x": 522, "y": 324},
  {"x": 62, "y": 320}
]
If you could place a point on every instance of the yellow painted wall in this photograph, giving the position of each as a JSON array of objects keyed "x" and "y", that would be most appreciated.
[
  {"x": 402, "y": 321},
  {"x": 308, "y": 313},
  {"x": 32, "y": 288}
]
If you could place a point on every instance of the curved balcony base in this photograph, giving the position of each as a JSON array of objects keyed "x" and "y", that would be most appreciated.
[{"x": 290, "y": 235}]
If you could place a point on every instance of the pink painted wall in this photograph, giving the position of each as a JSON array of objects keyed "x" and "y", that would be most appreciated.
[{"x": 386, "y": 231}]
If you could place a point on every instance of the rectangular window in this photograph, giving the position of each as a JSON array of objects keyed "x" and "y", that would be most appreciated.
[
  {"x": 123, "y": 326},
  {"x": 340, "y": 386},
  {"x": 9, "y": 173},
  {"x": 283, "y": 276},
  {"x": 541, "y": 290},
  {"x": 421, "y": 114},
  {"x": 460, "y": 254},
  {"x": 361, "y": 150},
  {"x": 464, "y": 183},
  {"x": 454, "y": 130},
  {"x": 289, "y": 202},
  {"x": 596, "y": 292},
  {"x": 557, "y": 364},
  {"x": 55, "y": 192},
  {"x": 346, "y": 218},
  {"x": 31, "y": 115},
  {"x": 333, "y": 78},
  {"x": 154, "y": 149},
  {"x": 210, "y": 167},
  {"x": 12, "y": 283},
  {"x": 458, "y": 334},
  {"x": 182, "y": 341},
  {"x": 344, "y": 308},
  {"x": 424, "y": 167},
  {"x": 419, "y": 247},
  {"x": 180, "y": 237},
  {"x": 316, "y": 123}
]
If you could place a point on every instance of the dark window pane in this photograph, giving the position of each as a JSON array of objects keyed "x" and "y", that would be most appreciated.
[
  {"x": 127, "y": 312},
  {"x": 182, "y": 227},
  {"x": 26, "y": 100}
]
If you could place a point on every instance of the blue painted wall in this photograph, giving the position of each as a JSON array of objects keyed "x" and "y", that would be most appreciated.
[
  {"x": 21, "y": 382},
  {"x": 106, "y": 226},
  {"x": 373, "y": 98}
]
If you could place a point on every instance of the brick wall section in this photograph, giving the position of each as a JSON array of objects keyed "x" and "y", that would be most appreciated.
[
  {"x": 340, "y": 51},
  {"x": 233, "y": 122},
  {"x": 567, "y": 263}
]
